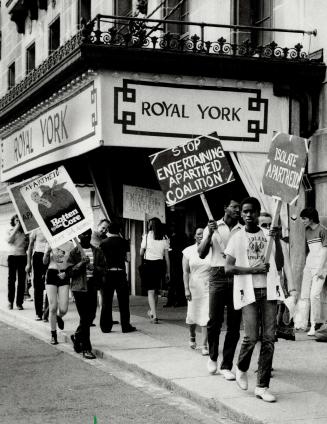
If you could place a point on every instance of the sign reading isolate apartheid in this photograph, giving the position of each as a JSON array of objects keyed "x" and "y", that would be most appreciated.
[
  {"x": 285, "y": 167},
  {"x": 139, "y": 201},
  {"x": 192, "y": 168},
  {"x": 68, "y": 127},
  {"x": 57, "y": 206}
]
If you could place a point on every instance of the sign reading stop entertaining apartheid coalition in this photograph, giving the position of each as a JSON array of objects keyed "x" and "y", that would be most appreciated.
[
  {"x": 57, "y": 206},
  {"x": 285, "y": 167},
  {"x": 192, "y": 168}
]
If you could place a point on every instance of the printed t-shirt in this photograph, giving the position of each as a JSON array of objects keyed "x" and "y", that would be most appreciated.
[{"x": 59, "y": 256}]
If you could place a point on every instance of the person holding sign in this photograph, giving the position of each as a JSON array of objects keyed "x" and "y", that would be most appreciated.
[
  {"x": 57, "y": 285},
  {"x": 256, "y": 291},
  {"x": 315, "y": 269},
  {"x": 216, "y": 235}
]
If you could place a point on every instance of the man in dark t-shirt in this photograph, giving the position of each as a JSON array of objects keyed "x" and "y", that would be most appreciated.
[{"x": 115, "y": 249}]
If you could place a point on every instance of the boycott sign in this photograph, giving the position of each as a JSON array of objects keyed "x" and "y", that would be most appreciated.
[
  {"x": 138, "y": 201},
  {"x": 23, "y": 211},
  {"x": 57, "y": 206},
  {"x": 192, "y": 168},
  {"x": 285, "y": 167}
]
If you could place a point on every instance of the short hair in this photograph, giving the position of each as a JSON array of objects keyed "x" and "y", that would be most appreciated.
[
  {"x": 230, "y": 199},
  {"x": 104, "y": 220},
  {"x": 252, "y": 201},
  {"x": 114, "y": 228},
  {"x": 310, "y": 213},
  {"x": 12, "y": 220}
]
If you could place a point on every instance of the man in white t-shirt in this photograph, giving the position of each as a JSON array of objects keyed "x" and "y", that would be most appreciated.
[{"x": 245, "y": 259}]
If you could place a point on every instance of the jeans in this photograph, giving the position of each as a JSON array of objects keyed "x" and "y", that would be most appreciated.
[
  {"x": 221, "y": 295},
  {"x": 115, "y": 280},
  {"x": 39, "y": 270},
  {"x": 16, "y": 267},
  {"x": 311, "y": 289},
  {"x": 261, "y": 313}
]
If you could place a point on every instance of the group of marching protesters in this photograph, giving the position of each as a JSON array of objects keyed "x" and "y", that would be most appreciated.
[{"x": 226, "y": 274}]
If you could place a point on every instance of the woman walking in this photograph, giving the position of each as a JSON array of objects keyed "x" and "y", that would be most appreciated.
[
  {"x": 57, "y": 285},
  {"x": 196, "y": 282},
  {"x": 154, "y": 248},
  {"x": 17, "y": 242}
]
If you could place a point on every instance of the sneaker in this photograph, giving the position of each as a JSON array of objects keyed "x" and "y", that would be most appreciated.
[
  {"x": 129, "y": 329},
  {"x": 20, "y": 307},
  {"x": 37, "y": 318},
  {"x": 87, "y": 354},
  {"x": 264, "y": 394},
  {"x": 10, "y": 306},
  {"x": 227, "y": 374},
  {"x": 204, "y": 351},
  {"x": 60, "y": 322},
  {"x": 192, "y": 343},
  {"x": 241, "y": 379},
  {"x": 212, "y": 366},
  {"x": 312, "y": 330}
]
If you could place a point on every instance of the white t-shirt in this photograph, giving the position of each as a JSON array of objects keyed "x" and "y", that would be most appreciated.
[
  {"x": 155, "y": 249},
  {"x": 255, "y": 252}
]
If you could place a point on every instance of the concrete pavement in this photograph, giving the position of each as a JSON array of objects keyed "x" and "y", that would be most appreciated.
[{"x": 161, "y": 353}]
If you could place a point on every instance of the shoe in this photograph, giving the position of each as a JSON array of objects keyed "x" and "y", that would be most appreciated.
[
  {"x": 77, "y": 346},
  {"x": 45, "y": 320},
  {"x": 192, "y": 343},
  {"x": 129, "y": 329},
  {"x": 212, "y": 366},
  {"x": 204, "y": 351},
  {"x": 150, "y": 316},
  {"x": 227, "y": 374},
  {"x": 54, "y": 340},
  {"x": 10, "y": 306},
  {"x": 87, "y": 354},
  {"x": 318, "y": 325},
  {"x": 155, "y": 321},
  {"x": 20, "y": 307},
  {"x": 37, "y": 318},
  {"x": 241, "y": 379},
  {"x": 60, "y": 322},
  {"x": 312, "y": 330},
  {"x": 264, "y": 394}
]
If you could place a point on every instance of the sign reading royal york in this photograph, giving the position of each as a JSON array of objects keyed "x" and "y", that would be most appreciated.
[
  {"x": 149, "y": 113},
  {"x": 68, "y": 128}
]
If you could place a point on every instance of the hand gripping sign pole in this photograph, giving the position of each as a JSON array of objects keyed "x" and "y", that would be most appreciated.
[
  {"x": 283, "y": 173},
  {"x": 211, "y": 218}
]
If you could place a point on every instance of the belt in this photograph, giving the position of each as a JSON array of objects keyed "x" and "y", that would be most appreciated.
[{"x": 116, "y": 269}]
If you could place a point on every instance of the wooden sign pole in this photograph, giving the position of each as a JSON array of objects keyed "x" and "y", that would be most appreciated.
[
  {"x": 210, "y": 216},
  {"x": 274, "y": 223}
]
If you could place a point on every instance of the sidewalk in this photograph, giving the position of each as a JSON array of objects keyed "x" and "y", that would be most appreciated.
[{"x": 161, "y": 353}]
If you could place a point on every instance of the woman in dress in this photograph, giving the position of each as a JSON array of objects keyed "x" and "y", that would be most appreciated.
[
  {"x": 154, "y": 248},
  {"x": 196, "y": 283},
  {"x": 57, "y": 285}
]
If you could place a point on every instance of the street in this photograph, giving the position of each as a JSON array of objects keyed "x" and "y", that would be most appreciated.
[{"x": 45, "y": 384}]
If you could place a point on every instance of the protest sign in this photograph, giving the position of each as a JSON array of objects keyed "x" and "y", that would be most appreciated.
[
  {"x": 192, "y": 168},
  {"x": 24, "y": 213},
  {"x": 138, "y": 201},
  {"x": 285, "y": 167},
  {"x": 57, "y": 206}
]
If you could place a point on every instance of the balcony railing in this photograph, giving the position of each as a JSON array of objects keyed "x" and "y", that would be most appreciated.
[{"x": 151, "y": 34}]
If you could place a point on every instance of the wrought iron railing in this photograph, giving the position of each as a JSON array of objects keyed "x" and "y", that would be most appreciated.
[{"x": 136, "y": 33}]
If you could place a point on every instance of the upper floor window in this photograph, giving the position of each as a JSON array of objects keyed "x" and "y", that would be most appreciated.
[
  {"x": 123, "y": 7},
  {"x": 54, "y": 35},
  {"x": 30, "y": 58},
  {"x": 175, "y": 10},
  {"x": 83, "y": 11},
  {"x": 253, "y": 13},
  {"x": 11, "y": 75}
]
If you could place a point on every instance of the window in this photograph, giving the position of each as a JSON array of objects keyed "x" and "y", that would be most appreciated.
[
  {"x": 30, "y": 58},
  {"x": 254, "y": 13},
  {"x": 123, "y": 7},
  {"x": 54, "y": 35},
  {"x": 11, "y": 75},
  {"x": 84, "y": 11},
  {"x": 180, "y": 14}
]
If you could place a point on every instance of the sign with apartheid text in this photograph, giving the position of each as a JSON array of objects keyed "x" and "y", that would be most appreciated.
[
  {"x": 57, "y": 206},
  {"x": 139, "y": 201},
  {"x": 24, "y": 213},
  {"x": 192, "y": 168},
  {"x": 285, "y": 167}
]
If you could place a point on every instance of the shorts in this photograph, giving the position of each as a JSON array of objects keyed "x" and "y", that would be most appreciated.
[
  {"x": 53, "y": 279},
  {"x": 153, "y": 274}
]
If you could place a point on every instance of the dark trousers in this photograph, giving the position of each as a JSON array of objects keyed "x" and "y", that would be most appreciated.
[
  {"x": 39, "y": 270},
  {"x": 261, "y": 313},
  {"x": 221, "y": 295},
  {"x": 93, "y": 300},
  {"x": 16, "y": 268},
  {"x": 82, "y": 333},
  {"x": 115, "y": 280}
]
